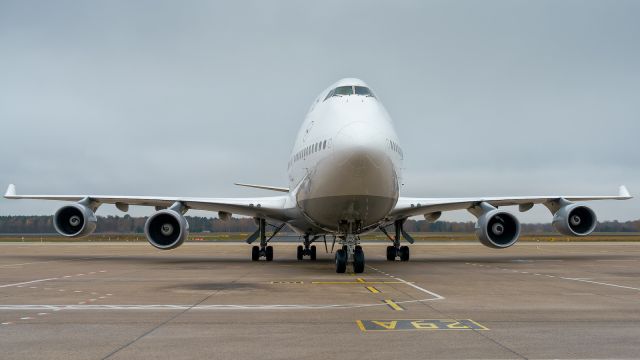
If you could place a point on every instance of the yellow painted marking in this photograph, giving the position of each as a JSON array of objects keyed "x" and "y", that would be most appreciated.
[
  {"x": 389, "y": 325},
  {"x": 287, "y": 282},
  {"x": 393, "y": 305},
  {"x": 419, "y": 324},
  {"x": 360, "y": 280},
  {"x": 355, "y": 282},
  {"x": 373, "y": 289}
]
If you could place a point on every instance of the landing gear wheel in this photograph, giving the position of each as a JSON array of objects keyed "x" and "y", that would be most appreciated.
[
  {"x": 358, "y": 260},
  {"x": 391, "y": 253},
  {"x": 300, "y": 253},
  {"x": 313, "y": 252},
  {"x": 404, "y": 253},
  {"x": 255, "y": 253},
  {"x": 269, "y": 253},
  {"x": 341, "y": 261}
]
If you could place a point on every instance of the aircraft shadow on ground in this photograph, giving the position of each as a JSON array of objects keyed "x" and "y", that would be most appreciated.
[{"x": 213, "y": 259}]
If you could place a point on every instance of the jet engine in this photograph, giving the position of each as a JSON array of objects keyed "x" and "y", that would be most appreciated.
[
  {"x": 496, "y": 229},
  {"x": 166, "y": 229},
  {"x": 575, "y": 220},
  {"x": 75, "y": 220}
]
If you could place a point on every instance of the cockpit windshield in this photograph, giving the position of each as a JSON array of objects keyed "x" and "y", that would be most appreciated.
[{"x": 350, "y": 90}]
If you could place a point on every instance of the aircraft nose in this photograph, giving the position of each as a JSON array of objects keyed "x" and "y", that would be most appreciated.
[{"x": 358, "y": 144}]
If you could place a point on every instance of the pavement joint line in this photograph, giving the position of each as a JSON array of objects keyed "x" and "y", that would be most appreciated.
[{"x": 586, "y": 280}]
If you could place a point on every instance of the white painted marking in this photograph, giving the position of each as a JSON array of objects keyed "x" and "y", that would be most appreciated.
[
  {"x": 28, "y": 263},
  {"x": 61, "y": 290},
  {"x": 103, "y": 271},
  {"x": 6, "y": 323},
  {"x": 21, "y": 284},
  {"x": 200, "y": 307},
  {"x": 102, "y": 297},
  {"x": 109, "y": 294},
  {"x": 67, "y": 276},
  {"x": 41, "y": 314},
  {"x": 435, "y": 296},
  {"x": 33, "y": 287},
  {"x": 600, "y": 283},
  {"x": 77, "y": 291},
  {"x": 79, "y": 274},
  {"x": 26, "y": 318}
]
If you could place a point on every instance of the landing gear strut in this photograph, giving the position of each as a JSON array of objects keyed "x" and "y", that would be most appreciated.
[
  {"x": 264, "y": 250},
  {"x": 396, "y": 251},
  {"x": 307, "y": 249}
]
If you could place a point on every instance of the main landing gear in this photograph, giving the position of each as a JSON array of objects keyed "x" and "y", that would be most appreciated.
[
  {"x": 396, "y": 251},
  {"x": 308, "y": 249},
  {"x": 264, "y": 250}
]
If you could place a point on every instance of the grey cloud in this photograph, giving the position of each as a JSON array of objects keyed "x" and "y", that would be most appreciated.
[{"x": 153, "y": 97}]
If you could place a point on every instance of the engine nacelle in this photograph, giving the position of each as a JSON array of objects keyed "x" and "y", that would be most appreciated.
[
  {"x": 75, "y": 220},
  {"x": 497, "y": 229},
  {"x": 166, "y": 229},
  {"x": 575, "y": 220}
]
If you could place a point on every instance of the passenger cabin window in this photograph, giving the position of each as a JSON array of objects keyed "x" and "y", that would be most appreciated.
[{"x": 350, "y": 90}]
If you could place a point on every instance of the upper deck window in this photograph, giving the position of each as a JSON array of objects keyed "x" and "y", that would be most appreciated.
[{"x": 350, "y": 90}]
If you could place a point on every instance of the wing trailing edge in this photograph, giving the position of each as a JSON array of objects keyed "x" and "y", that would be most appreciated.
[{"x": 264, "y": 187}]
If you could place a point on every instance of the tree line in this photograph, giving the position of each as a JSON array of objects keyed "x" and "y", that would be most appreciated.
[{"x": 127, "y": 224}]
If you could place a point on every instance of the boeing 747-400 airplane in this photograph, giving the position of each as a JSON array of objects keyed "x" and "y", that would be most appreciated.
[{"x": 344, "y": 176}]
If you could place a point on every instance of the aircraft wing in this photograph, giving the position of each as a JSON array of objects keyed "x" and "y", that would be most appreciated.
[
  {"x": 274, "y": 207},
  {"x": 407, "y": 207}
]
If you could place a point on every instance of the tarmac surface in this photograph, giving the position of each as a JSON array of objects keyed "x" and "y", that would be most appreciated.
[{"x": 459, "y": 300}]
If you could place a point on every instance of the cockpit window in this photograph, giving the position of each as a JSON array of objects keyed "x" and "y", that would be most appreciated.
[
  {"x": 361, "y": 90},
  {"x": 344, "y": 90},
  {"x": 350, "y": 90}
]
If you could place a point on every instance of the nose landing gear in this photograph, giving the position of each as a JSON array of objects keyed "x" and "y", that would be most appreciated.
[{"x": 350, "y": 251}]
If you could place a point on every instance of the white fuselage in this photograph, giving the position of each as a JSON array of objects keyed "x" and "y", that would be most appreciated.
[{"x": 344, "y": 170}]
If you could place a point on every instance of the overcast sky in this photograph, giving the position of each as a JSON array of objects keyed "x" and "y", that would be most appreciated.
[{"x": 187, "y": 97}]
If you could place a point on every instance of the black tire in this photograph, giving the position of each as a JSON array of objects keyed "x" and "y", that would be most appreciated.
[
  {"x": 345, "y": 248},
  {"x": 269, "y": 253},
  {"x": 341, "y": 261},
  {"x": 358, "y": 247},
  {"x": 300, "y": 252},
  {"x": 404, "y": 253},
  {"x": 358, "y": 261},
  {"x": 313, "y": 252},
  {"x": 391, "y": 253},
  {"x": 255, "y": 253}
]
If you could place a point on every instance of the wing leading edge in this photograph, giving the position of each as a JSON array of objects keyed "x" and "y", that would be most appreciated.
[
  {"x": 407, "y": 207},
  {"x": 273, "y": 207}
]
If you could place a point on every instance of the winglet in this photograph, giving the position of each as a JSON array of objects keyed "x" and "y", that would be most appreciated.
[
  {"x": 11, "y": 191},
  {"x": 623, "y": 192}
]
